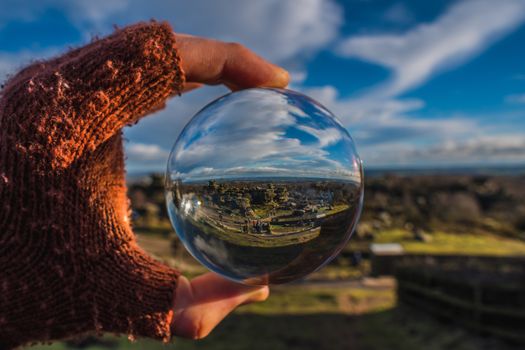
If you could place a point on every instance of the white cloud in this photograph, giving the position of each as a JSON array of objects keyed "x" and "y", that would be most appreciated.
[
  {"x": 389, "y": 129},
  {"x": 384, "y": 119},
  {"x": 276, "y": 29},
  {"x": 463, "y": 31},
  {"x": 140, "y": 152},
  {"x": 325, "y": 137},
  {"x": 239, "y": 139},
  {"x": 384, "y": 125},
  {"x": 281, "y": 31},
  {"x": 207, "y": 173},
  {"x": 297, "y": 77},
  {"x": 368, "y": 107},
  {"x": 516, "y": 98},
  {"x": 85, "y": 14},
  {"x": 164, "y": 127},
  {"x": 475, "y": 149},
  {"x": 504, "y": 147},
  {"x": 92, "y": 12}
]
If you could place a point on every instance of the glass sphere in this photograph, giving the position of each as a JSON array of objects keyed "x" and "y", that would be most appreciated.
[{"x": 264, "y": 186}]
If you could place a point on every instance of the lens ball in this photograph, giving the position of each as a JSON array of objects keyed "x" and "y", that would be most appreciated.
[{"x": 264, "y": 186}]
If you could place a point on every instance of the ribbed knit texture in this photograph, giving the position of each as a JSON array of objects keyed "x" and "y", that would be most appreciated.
[{"x": 69, "y": 262}]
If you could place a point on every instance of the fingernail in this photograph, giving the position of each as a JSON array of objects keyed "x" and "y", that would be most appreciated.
[
  {"x": 283, "y": 77},
  {"x": 279, "y": 77},
  {"x": 260, "y": 294}
]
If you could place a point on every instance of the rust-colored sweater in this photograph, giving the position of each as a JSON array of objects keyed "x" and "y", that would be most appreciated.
[{"x": 69, "y": 262}]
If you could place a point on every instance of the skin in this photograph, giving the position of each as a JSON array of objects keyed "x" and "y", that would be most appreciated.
[{"x": 200, "y": 304}]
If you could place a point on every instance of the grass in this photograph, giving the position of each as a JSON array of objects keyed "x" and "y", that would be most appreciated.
[
  {"x": 339, "y": 316},
  {"x": 293, "y": 318},
  {"x": 341, "y": 270},
  {"x": 254, "y": 240},
  {"x": 160, "y": 227},
  {"x": 295, "y": 302},
  {"x": 450, "y": 243},
  {"x": 406, "y": 329},
  {"x": 320, "y": 318}
]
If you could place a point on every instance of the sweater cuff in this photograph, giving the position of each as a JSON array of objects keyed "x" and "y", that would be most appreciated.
[{"x": 133, "y": 294}]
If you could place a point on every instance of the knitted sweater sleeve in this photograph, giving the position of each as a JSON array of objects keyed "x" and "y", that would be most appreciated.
[{"x": 69, "y": 262}]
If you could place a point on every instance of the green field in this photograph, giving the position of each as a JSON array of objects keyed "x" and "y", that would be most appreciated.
[
  {"x": 256, "y": 240},
  {"x": 353, "y": 316},
  {"x": 332, "y": 310},
  {"x": 281, "y": 235},
  {"x": 454, "y": 243}
]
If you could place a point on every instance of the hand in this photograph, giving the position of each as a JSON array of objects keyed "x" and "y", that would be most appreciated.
[
  {"x": 62, "y": 120},
  {"x": 212, "y": 62},
  {"x": 202, "y": 303}
]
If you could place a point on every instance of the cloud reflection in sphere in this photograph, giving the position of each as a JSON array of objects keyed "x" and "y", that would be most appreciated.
[{"x": 264, "y": 186}]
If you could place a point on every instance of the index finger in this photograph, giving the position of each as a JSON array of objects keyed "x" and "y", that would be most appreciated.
[{"x": 214, "y": 62}]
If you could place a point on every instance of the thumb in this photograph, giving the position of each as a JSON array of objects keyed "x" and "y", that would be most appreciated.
[{"x": 202, "y": 303}]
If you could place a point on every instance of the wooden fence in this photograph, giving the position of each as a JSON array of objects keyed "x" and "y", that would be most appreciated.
[
  {"x": 385, "y": 265},
  {"x": 485, "y": 294}
]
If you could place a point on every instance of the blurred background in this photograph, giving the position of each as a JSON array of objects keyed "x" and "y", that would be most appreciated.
[{"x": 433, "y": 93}]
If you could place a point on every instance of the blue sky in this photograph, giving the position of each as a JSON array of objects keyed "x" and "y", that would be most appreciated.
[
  {"x": 284, "y": 136},
  {"x": 416, "y": 83}
]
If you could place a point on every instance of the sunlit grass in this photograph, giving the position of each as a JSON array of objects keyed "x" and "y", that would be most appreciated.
[
  {"x": 313, "y": 317},
  {"x": 450, "y": 243},
  {"x": 293, "y": 313}
]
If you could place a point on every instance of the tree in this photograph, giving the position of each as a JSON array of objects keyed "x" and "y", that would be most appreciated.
[
  {"x": 247, "y": 202},
  {"x": 212, "y": 185},
  {"x": 281, "y": 195}
]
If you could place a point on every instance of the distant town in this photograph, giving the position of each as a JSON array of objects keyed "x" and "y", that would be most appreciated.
[{"x": 265, "y": 209}]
